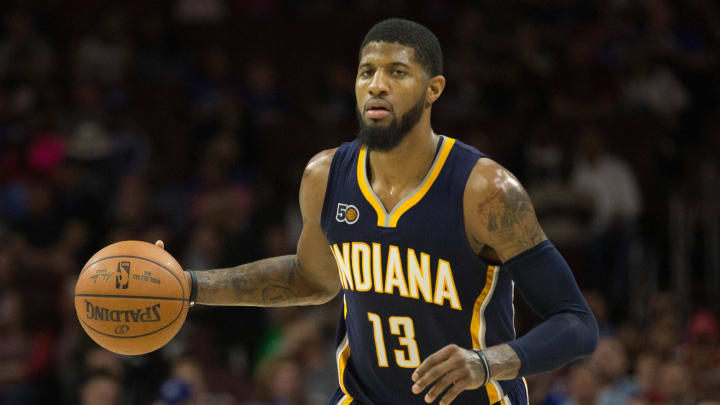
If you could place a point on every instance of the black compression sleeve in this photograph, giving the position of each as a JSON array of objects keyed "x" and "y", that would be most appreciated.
[{"x": 569, "y": 329}]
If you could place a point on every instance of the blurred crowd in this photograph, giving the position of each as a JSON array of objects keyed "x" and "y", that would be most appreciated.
[{"x": 190, "y": 121}]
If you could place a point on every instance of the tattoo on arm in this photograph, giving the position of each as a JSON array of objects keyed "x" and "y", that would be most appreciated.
[
  {"x": 503, "y": 361},
  {"x": 277, "y": 281},
  {"x": 509, "y": 219}
]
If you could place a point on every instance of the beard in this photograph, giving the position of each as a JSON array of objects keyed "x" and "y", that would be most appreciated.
[{"x": 383, "y": 139}]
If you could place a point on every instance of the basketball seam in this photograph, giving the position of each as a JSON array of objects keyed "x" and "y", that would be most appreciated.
[
  {"x": 131, "y": 296},
  {"x": 182, "y": 308},
  {"x": 141, "y": 258}
]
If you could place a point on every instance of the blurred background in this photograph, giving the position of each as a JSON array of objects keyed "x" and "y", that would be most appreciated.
[{"x": 191, "y": 121}]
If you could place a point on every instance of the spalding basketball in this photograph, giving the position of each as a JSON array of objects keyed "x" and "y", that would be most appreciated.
[{"x": 132, "y": 297}]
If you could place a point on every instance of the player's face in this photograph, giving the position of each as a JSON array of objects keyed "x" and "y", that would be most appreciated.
[{"x": 390, "y": 92}]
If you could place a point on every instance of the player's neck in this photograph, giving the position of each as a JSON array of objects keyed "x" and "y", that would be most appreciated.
[{"x": 407, "y": 163}]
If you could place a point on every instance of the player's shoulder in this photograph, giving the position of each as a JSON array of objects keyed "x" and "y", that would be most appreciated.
[
  {"x": 314, "y": 182},
  {"x": 317, "y": 169},
  {"x": 498, "y": 211},
  {"x": 320, "y": 163},
  {"x": 319, "y": 166},
  {"x": 489, "y": 180}
]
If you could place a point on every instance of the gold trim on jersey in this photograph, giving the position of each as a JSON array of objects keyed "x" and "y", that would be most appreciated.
[
  {"x": 390, "y": 220},
  {"x": 477, "y": 327},
  {"x": 494, "y": 391},
  {"x": 506, "y": 399},
  {"x": 342, "y": 355},
  {"x": 477, "y": 324}
]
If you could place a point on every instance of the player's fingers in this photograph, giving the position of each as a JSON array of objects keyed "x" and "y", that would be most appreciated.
[
  {"x": 160, "y": 244},
  {"x": 432, "y": 375},
  {"x": 444, "y": 382},
  {"x": 454, "y": 391},
  {"x": 432, "y": 360}
]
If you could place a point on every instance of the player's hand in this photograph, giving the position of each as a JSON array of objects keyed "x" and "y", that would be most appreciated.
[
  {"x": 161, "y": 245},
  {"x": 451, "y": 365}
]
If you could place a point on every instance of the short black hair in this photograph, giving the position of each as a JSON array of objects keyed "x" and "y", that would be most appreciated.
[{"x": 410, "y": 34}]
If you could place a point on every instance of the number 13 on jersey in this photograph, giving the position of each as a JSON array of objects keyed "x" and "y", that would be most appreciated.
[{"x": 403, "y": 327}]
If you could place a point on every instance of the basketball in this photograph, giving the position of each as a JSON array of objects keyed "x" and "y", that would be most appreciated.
[{"x": 132, "y": 297}]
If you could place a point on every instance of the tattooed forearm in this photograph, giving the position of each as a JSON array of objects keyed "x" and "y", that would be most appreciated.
[
  {"x": 503, "y": 361},
  {"x": 509, "y": 220},
  {"x": 278, "y": 281}
]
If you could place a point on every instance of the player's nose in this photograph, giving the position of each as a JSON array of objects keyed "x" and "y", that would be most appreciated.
[{"x": 378, "y": 85}]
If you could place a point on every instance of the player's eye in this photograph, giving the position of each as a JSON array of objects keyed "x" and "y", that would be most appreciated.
[
  {"x": 398, "y": 72},
  {"x": 366, "y": 73}
]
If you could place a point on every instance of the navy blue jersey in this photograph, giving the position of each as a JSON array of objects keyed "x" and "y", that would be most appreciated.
[{"x": 412, "y": 283}]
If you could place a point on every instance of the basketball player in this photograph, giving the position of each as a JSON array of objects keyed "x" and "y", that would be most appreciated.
[{"x": 427, "y": 238}]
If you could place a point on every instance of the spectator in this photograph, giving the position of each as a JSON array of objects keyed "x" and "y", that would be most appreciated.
[
  {"x": 611, "y": 365},
  {"x": 99, "y": 360},
  {"x": 653, "y": 88},
  {"x": 101, "y": 389},
  {"x": 24, "y": 53},
  {"x": 646, "y": 369},
  {"x": 611, "y": 184},
  {"x": 105, "y": 55},
  {"x": 280, "y": 383},
  {"x": 676, "y": 385},
  {"x": 702, "y": 353},
  {"x": 583, "y": 386},
  {"x": 25, "y": 356}
]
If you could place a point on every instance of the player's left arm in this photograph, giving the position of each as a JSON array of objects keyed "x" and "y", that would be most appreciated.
[{"x": 500, "y": 220}]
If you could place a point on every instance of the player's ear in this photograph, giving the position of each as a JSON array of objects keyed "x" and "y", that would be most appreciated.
[{"x": 435, "y": 87}]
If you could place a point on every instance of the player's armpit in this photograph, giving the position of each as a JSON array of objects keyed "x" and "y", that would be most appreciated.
[
  {"x": 498, "y": 212},
  {"x": 313, "y": 250},
  {"x": 306, "y": 278}
]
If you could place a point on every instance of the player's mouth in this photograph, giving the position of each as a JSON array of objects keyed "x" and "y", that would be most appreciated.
[{"x": 377, "y": 108}]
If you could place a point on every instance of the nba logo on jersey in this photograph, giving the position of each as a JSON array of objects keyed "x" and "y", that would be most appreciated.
[{"x": 347, "y": 213}]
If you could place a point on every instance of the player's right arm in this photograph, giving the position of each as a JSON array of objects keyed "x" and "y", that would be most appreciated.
[{"x": 306, "y": 278}]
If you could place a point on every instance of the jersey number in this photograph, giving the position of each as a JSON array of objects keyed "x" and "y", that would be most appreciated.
[{"x": 409, "y": 359}]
